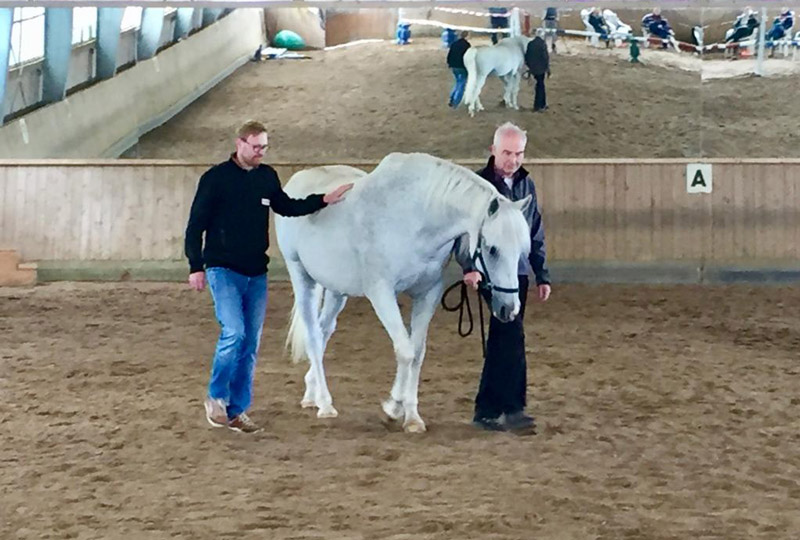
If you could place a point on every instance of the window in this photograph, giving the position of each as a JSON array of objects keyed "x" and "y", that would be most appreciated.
[
  {"x": 27, "y": 35},
  {"x": 84, "y": 24},
  {"x": 131, "y": 18}
]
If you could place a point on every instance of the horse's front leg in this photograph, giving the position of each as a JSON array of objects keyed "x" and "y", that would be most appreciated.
[
  {"x": 424, "y": 305},
  {"x": 384, "y": 302}
]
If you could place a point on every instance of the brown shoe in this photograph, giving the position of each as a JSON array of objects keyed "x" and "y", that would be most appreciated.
[
  {"x": 216, "y": 412},
  {"x": 243, "y": 423}
]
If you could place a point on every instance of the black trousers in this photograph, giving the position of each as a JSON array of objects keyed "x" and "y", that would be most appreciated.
[
  {"x": 540, "y": 99},
  {"x": 504, "y": 376}
]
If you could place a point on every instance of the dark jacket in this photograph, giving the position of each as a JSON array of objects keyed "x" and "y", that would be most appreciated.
[
  {"x": 598, "y": 23},
  {"x": 231, "y": 206},
  {"x": 521, "y": 187},
  {"x": 455, "y": 56},
  {"x": 536, "y": 57}
]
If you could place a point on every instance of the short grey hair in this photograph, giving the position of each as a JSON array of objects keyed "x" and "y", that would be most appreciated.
[{"x": 508, "y": 129}]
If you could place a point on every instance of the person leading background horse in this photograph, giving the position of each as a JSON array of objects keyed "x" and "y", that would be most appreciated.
[{"x": 538, "y": 61}]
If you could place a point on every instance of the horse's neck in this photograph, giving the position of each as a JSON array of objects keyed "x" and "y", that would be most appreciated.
[
  {"x": 408, "y": 205},
  {"x": 448, "y": 218}
]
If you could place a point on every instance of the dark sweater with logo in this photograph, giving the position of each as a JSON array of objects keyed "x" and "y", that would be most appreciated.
[{"x": 231, "y": 207}]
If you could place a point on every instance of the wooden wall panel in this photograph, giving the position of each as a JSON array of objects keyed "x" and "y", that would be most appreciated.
[{"x": 614, "y": 210}]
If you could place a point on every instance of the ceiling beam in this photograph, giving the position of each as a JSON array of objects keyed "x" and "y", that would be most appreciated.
[{"x": 529, "y": 4}]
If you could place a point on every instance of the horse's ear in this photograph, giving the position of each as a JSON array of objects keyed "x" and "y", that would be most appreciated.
[
  {"x": 494, "y": 206},
  {"x": 523, "y": 204}
]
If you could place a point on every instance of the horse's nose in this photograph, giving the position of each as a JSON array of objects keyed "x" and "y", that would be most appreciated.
[{"x": 503, "y": 313}]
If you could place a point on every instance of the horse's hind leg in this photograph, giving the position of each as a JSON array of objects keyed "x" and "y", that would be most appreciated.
[
  {"x": 307, "y": 304},
  {"x": 513, "y": 88},
  {"x": 332, "y": 305},
  {"x": 481, "y": 84},
  {"x": 475, "y": 100},
  {"x": 506, "y": 90},
  {"x": 384, "y": 302}
]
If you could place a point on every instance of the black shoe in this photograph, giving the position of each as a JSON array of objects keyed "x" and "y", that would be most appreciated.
[
  {"x": 519, "y": 421},
  {"x": 488, "y": 424}
]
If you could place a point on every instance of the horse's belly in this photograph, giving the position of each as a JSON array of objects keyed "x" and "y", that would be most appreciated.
[{"x": 332, "y": 263}]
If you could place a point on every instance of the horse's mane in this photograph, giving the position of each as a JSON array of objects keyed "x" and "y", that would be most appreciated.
[
  {"x": 459, "y": 186},
  {"x": 447, "y": 185}
]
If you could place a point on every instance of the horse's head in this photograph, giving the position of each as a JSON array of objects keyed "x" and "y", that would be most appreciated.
[{"x": 504, "y": 238}]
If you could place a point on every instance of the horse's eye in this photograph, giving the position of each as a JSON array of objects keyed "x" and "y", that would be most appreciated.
[{"x": 493, "y": 251}]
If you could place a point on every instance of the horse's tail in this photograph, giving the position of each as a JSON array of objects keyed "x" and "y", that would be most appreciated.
[
  {"x": 297, "y": 335},
  {"x": 471, "y": 63}
]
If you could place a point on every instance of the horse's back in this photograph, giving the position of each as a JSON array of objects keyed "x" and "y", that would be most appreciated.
[
  {"x": 502, "y": 58},
  {"x": 321, "y": 179}
]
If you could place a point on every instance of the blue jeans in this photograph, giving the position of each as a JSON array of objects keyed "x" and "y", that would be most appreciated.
[
  {"x": 457, "y": 93},
  {"x": 240, "y": 304}
]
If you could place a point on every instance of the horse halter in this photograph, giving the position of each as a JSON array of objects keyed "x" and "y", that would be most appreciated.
[{"x": 486, "y": 283}]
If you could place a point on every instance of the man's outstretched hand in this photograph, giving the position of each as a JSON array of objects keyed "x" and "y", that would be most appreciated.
[{"x": 337, "y": 194}]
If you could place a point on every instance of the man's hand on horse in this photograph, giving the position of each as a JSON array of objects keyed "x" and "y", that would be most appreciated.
[
  {"x": 337, "y": 194},
  {"x": 197, "y": 280},
  {"x": 544, "y": 292},
  {"x": 473, "y": 278}
]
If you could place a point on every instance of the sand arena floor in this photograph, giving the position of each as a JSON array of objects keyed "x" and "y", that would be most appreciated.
[{"x": 664, "y": 413}]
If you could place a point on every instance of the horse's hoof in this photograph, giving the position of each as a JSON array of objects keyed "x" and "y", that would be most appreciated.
[
  {"x": 307, "y": 404},
  {"x": 414, "y": 426},
  {"x": 393, "y": 409},
  {"x": 327, "y": 412}
]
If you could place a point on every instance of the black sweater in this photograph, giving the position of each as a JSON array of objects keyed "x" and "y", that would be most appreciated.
[
  {"x": 231, "y": 207},
  {"x": 455, "y": 56}
]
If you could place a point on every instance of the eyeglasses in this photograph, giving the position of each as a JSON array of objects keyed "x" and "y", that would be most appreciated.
[{"x": 256, "y": 147}]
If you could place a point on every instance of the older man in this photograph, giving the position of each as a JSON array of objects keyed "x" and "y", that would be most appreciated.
[{"x": 500, "y": 403}]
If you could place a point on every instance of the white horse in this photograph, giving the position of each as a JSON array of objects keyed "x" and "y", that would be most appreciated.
[
  {"x": 393, "y": 233},
  {"x": 505, "y": 59}
]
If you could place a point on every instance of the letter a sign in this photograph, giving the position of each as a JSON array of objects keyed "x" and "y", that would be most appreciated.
[{"x": 698, "y": 178}]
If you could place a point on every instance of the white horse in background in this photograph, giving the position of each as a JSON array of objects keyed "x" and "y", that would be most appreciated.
[
  {"x": 393, "y": 233},
  {"x": 505, "y": 59}
]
